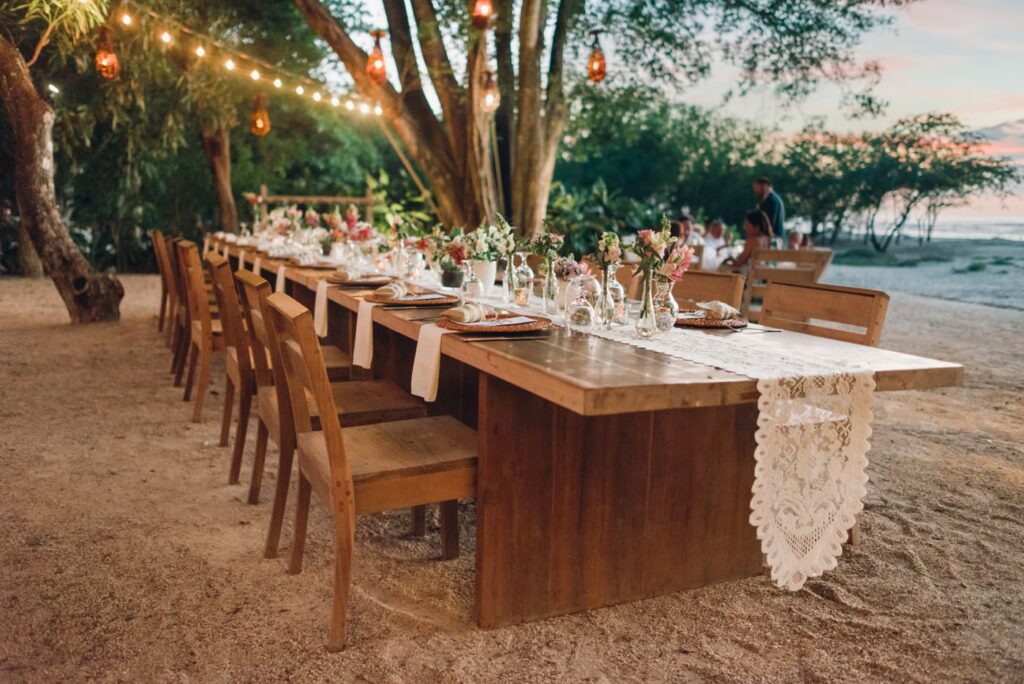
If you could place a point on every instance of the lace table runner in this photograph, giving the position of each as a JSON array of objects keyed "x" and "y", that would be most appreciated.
[{"x": 813, "y": 425}]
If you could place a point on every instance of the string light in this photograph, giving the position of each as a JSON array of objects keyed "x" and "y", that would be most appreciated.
[
  {"x": 200, "y": 51},
  {"x": 299, "y": 90},
  {"x": 166, "y": 37},
  {"x": 377, "y": 109},
  {"x": 254, "y": 75},
  {"x": 277, "y": 83},
  {"x": 375, "y": 68},
  {"x": 316, "y": 97},
  {"x": 126, "y": 19},
  {"x": 52, "y": 88},
  {"x": 490, "y": 96},
  {"x": 230, "y": 64},
  {"x": 350, "y": 105},
  {"x": 335, "y": 101},
  {"x": 364, "y": 108}
]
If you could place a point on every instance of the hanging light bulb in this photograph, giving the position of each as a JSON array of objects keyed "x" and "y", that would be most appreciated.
[
  {"x": 377, "y": 109},
  {"x": 375, "y": 68},
  {"x": 490, "y": 96},
  {"x": 165, "y": 37},
  {"x": 597, "y": 67},
  {"x": 107, "y": 63},
  {"x": 317, "y": 97},
  {"x": 483, "y": 12},
  {"x": 299, "y": 90},
  {"x": 364, "y": 108},
  {"x": 254, "y": 75},
  {"x": 277, "y": 83},
  {"x": 259, "y": 120},
  {"x": 335, "y": 102},
  {"x": 350, "y": 105},
  {"x": 229, "y": 65},
  {"x": 200, "y": 51},
  {"x": 126, "y": 19}
]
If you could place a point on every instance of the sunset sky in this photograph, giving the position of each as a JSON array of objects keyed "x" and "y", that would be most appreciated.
[{"x": 961, "y": 56}]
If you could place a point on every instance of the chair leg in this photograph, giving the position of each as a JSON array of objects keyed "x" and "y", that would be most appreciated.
[
  {"x": 163, "y": 310},
  {"x": 172, "y": 321},
  {"x": 257, "y": 463},
  {"x": 449, "y": 530},
  {"x": 419, "y": 521},
  {"x": 284, "y": 478},
  {"x": 301, "y": 518},
  {"x": 244, "y": 407},
  {"x": 342, "y": 582},
  {"x": 176, "y": 335},
  {"x": 855, "y": 534},
  {"x": 193, "y": 356},
  {"x": 229, "y": 400},
  {"x": 203, "y": 386}
]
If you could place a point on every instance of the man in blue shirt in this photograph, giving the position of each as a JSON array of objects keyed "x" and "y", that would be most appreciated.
[{"x": 771, "y": 204}]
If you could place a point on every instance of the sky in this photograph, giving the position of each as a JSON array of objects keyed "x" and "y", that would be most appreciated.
[{"x": 960, "y": 56}]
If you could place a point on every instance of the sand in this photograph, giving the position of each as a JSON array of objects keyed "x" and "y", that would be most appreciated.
[{"x": 124, "y": 555}]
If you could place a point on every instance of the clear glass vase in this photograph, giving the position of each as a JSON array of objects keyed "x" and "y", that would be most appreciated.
[
  {"x": 613, "y": 299},
  {"x": 666, "y": 308},
  {"x": 550, "y": 292},
  {"x": 522, "y": 280},
  {"x": 471, "y": 288},
  {"x": 646, "y": 323}
]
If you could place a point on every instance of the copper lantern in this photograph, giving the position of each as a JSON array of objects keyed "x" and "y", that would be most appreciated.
[
  {"x": 483, "y": 12},
  {"x": 259, "y": 120},
  {"x": 597, "y": 67},
  {"x": 107, "y": 64},
  {"x": 375, "y": 68}
]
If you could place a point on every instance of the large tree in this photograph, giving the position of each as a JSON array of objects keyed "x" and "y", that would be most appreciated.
[
  {"x": 88, "y": 296},
  {"x": 538, "y": 47}
]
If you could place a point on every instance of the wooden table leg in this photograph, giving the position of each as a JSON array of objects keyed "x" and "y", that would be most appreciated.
[{"x": 575, "y": 512}]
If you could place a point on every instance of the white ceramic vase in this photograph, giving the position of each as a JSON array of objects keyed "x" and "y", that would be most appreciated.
[{"x": 486, "y": 272}]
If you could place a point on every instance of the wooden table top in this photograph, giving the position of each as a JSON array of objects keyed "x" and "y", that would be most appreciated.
[{"x": 594, "y": 376}]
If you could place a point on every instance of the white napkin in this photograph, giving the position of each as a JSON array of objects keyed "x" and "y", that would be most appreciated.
[
  {"x": 256, "y": 266},
  {"x": 320, "y": 309},
  {"x": 362, "y": 348},
  {"x": 279, "y": 286},
  {"x": 392, "y": 291},
  {"x": 469, "y": 312},
  {"x": 427, "y": 364}
]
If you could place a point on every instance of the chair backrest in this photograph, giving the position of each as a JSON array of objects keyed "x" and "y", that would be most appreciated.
[
  {"x": 698, "y": 256},
  {"x": 700, "y": 286},
  {"x": 160, "y": 251},
  {"x": 796, "y": 266},
  {"x": 226, "y": 294},
  {"x": 840, "y": 313},
  {"x": 195, "y": 287},
  {"x": 304, "y": 371},
  {"x": 255, "y": 290}
]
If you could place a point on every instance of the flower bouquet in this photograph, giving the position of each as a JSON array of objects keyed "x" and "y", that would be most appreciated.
[{"x": 652, "y": 247}]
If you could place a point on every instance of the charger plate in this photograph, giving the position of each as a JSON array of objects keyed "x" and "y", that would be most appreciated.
[
  {"x": 538, "y": 323},
  {"x": 440, "y": 300},
  {"x": 695, "y": 319}
]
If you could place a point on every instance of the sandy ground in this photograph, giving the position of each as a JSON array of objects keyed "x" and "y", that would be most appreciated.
[{"x": 125, "y": 556}]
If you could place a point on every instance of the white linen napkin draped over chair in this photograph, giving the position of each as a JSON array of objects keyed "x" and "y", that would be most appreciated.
[
  {"x": 279, "y": 285},
  {"x": 362, "y": 347},
  {"x": 320, "y": 309},
  {"x": 427, "y": 364},
  {"x": 256, "y": 265}
]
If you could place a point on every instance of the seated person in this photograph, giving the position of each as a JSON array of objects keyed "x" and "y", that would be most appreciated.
[
  {"x": 794, "y": 239},
  {"x": 758, "y": 230}
]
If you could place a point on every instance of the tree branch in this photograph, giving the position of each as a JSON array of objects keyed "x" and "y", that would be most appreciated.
[{"x": 439, "y": 66}]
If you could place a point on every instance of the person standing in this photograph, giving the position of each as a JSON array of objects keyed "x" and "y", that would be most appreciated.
[{"x": 772, "y": 205}]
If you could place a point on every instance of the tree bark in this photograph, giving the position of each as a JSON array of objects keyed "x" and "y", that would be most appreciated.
[
  {"x": 28, "y": 259},
  {"x": 88, "y": 296},
  {"x": 217, "y": 149}
]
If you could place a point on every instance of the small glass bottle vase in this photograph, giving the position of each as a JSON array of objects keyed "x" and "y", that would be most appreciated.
[
  {"x": 646, "y": 323},
  {"x": 550, "y": 292},
  {"x": 666, "y": 308},
  {"x": 612, "y": 309}
]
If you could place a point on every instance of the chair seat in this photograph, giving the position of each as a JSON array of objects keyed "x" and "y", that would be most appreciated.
[{"x": 399, "y": 464}]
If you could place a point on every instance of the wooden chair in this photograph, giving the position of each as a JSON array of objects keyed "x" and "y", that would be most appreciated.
[
  {"x": 180, "y": 316},
  {"x": 700, "y": 286},
  {"x": 698, "y": 257},
  {"x": 239, "y": 373},
  {"x": 166, "y": 286},
  {"x": 358, "y": 403},
  {"x": 796, "y": 266},
  {"x": 206, "y": 334},
  {"x": 360, "y": 470},
  {"x": 839, "y": 313}
]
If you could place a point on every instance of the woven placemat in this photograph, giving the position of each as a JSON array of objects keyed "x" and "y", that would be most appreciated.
[
  {"x": 709, "y": 323},
  {"x": 443, "y": 300},
  {"x": 539, "y": 323},
  {"x": 375, "y": 281}
]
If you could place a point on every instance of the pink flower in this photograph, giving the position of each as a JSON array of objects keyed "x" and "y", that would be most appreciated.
[
  {"x": 645, "y": 236},
  {"x": 312, "y": 218}
]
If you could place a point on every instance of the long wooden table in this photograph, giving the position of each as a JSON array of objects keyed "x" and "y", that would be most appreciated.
[{"x": 606, "y": 473}]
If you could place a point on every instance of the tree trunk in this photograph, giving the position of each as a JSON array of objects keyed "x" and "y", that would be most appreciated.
[
  {"x": 217, "y": 149},
  {"x": 28, "y": 260},
  {"x": 88, "y": 296}
]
